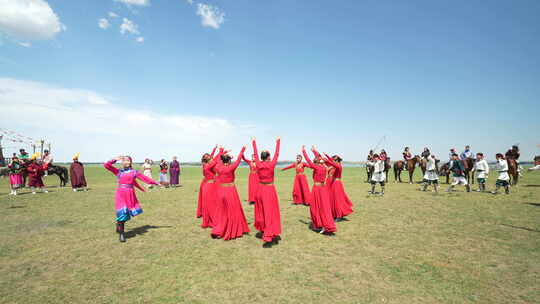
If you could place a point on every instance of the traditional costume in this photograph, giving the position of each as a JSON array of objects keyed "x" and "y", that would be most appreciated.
[
  {"x": 35, "y": 174},
  {"x": 126, "y": 202},
  {"x": 163, "y": 178},
  {"x": 481, "y": 168},
  {"x": 267, "y": 213},
  {"x": 174, "y": 171},
  {"x": 431, "y": 177},
  {"x": 457, "y": 168},
  {"x": 253, "y": 180},
  {"x": 504, "y": 178},
  {"x": 76, "y": 173},
  {"x": 320, "y": 208},
  {"x": 207, "y": 202},
  {"x": 147, "y": 170},
  {"x": 231, "y": 221},
  {"x": 301, "y": 193},
  {"x": 15, "y": 175},
  {"x": 341, "y": 204},
  {"x": 378, "y": 175}
]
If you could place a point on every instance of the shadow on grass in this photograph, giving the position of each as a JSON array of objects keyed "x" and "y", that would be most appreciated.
[
  {"x": 534, "y": 204},
  {"x": 522, "y": 228},
  {"x": 16, "y": 207},
  {"x": 531, "y": 185},
  {"x": 142, "y": 230}
]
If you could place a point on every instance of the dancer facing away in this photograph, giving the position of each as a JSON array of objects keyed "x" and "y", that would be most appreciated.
[
  {"x": 231, "y": 221},
  {"x": 267, "y": 213},
  {"x": 341, "y": 204},
  {"x": 35, "y": 173},
  {"x": 378, "y": 174},
  {"x": 15, "y": 175},
  {"x": 481, "y": 168},
  {"x": 253, "y": 181},
  {"x": 126, "y": 202},
  {"x": 457, "y": 169},
  {"x": 502, "y": 180},
  {"x": 206, "y": 207},
  {"x": 174, "y": 170},
  {"x": 76, "y": 174},
  {"x": 301, "y": 193},
  {"x": 147, "y": 170},
  {"x": 431, "y": 177},
  {"x": 320, "y": 208}
]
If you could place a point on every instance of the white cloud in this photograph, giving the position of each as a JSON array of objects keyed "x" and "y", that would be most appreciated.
[
  {"x": 189, "y": 2},
  {"x": 103, "y": 23},
  {"x": 128, "y": 26},
  {"x": 113, "y": 15},
  {"x": 211, "y": 16},
  {"x": 140, "y": 39},
  {"x": 29, "y": 19},
  {"x": 135, "y": 2},
  {"x": 77, "y": 120},
  {"x": 25, "y": 44}
]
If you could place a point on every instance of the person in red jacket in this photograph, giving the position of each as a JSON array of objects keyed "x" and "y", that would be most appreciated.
[
  {"x": 231, "y": 220},
  {"x": 267, "y": 214},
  {"x": 253, "y": 181},
  {"x": 301, "y": 193},
  {"x": 341, "y": 204},
  {"x": 320, "y": 207},
  {"x": 206, "y": 206},
  {"x": 35, "y": 173}
]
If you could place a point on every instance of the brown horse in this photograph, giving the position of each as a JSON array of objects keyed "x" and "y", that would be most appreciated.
[
  {"x": 468, "y": 164},
  {"x": 399, "y": 166},
  {"x": 513, "y": 171},
  {"x": 445, "y": 171}
]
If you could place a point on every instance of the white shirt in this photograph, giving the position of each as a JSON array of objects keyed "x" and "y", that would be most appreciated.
[
  {"x": 430, "y": 166},
  {"x": 502, "y": 167},
  {"x": 48, "y": 159},
  {"x": 378, "y": 167},
  {"x": 482, "y": 168}
]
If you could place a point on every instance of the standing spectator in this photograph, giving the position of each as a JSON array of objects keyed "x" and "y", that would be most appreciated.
[
  {"x": 163, "y": 169},
  {"x": 175, "y": 172}
]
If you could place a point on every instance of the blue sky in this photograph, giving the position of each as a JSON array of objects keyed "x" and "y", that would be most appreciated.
[{"x": 338, "y": 74}]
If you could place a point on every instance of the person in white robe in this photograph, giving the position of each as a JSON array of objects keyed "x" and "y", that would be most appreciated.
[
  {"x": 431, "y": 177},
  {"x": 378, "y": 174},
  {"x": 481, "y": 169},
  {"x": 504, "y": 178}
]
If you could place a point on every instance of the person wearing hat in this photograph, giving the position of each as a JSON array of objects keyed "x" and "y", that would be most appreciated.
[
  {"x": 378, "y": 174},
  {"x": 504, "y": 178},
  {"x": 457, "y": 169},
  {"x": 47, "y": 158},
  {"x": 23, "y": 156},
  {"x": 126, "y": 202},
  {"x": 481, "y": 168},
  {"x": 15, "y": 175},
  {"x": 431, "y": 177},
  {"x": 35, "y": 171},
  {"x": 76, "y": 173},
  {"x": 467, "y": 153}
]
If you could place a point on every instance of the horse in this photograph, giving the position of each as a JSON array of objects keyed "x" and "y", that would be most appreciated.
[
  {"x": 445, "y": 171},
  {"x": 513, "y": 168},
  {"x": 400, "y": 165},
  {"x": 61, "y": 172},
  {"x": 468, "y": 164}
]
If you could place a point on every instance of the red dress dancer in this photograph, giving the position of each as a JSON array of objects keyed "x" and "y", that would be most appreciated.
[
  {"x": 231, "y": 221},
  {"x": 267, "y": 214},
  {"x": 35, "y": 173},
  {"x": 301, "y": 193},
  {"x": 320, "y": 207},
  {"x": 253, "y": 180},
  {"x": 341, "y": 204},
  {"x": 206, "y": 206}
]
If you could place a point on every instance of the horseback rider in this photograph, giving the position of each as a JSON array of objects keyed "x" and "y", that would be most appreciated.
[
  {"x": 513, "y": 153},
  {"x": 23, "y": 156},
  {"x": 384, "y": 157},
  {"x": 426, "y": 152},
  {"x": 467, "y": 153},
  {"x": 407, "y": 155}
]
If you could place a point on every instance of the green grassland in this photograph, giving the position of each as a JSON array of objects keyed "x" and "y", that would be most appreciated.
[{"x": 406, "y": 247}]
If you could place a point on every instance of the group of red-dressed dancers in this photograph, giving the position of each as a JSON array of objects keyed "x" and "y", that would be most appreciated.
[{"x": 220, "y": 207}]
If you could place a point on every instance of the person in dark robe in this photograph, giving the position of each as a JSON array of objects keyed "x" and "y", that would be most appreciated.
[
  {"x": 76, "y": 172},
  {"x": 174, "y": 171}
]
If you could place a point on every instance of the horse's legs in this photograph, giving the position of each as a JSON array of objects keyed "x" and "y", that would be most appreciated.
[{"x": 411, "y": 172}]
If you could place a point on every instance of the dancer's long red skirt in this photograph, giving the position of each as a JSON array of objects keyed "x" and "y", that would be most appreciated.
[
  {"x": 231, "y": 221},
  {"x": 301, "y": 193},
  {"x": 321, "y": 209},
  {"x": 341, "y": 204},
  {"x": 252, "y": 186},
  {"x": 267, "y": 213},
  {"x": 207, "y": 204}
]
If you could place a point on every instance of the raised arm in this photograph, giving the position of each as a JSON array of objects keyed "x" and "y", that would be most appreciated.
[
  {"x": 246, "y": 160},
  {"x": 146, "y": 179},
  {"x": 276, "y": 153},
  {"x": 308, "y": 160},
  {"x": 239, "y": 158},
  {"x": 109, "y": 166},
  {"x": 289, "y": 167},
  {"x": 255, "y": 151},
  {"x": 213, "y": 152},
  {"x": 315, "y": 152},
  {"x": 330, "y": 161}
]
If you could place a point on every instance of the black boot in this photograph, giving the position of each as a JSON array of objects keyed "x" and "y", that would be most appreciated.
[
  {"x": 382, "y": 190},
  {"x": 268, "y": 244},
  {"x": 120, "y": 230},
  {"x": 468, "y": 187},
  {"x": 507, "y": 189},
  {"x": 373, "y": 189}
]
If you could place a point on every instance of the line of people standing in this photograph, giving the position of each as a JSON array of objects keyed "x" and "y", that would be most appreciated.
[{"x": 169, "y": 173}]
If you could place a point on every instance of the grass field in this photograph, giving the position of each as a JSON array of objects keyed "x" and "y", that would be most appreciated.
[{"x": 406, "y": 247}]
